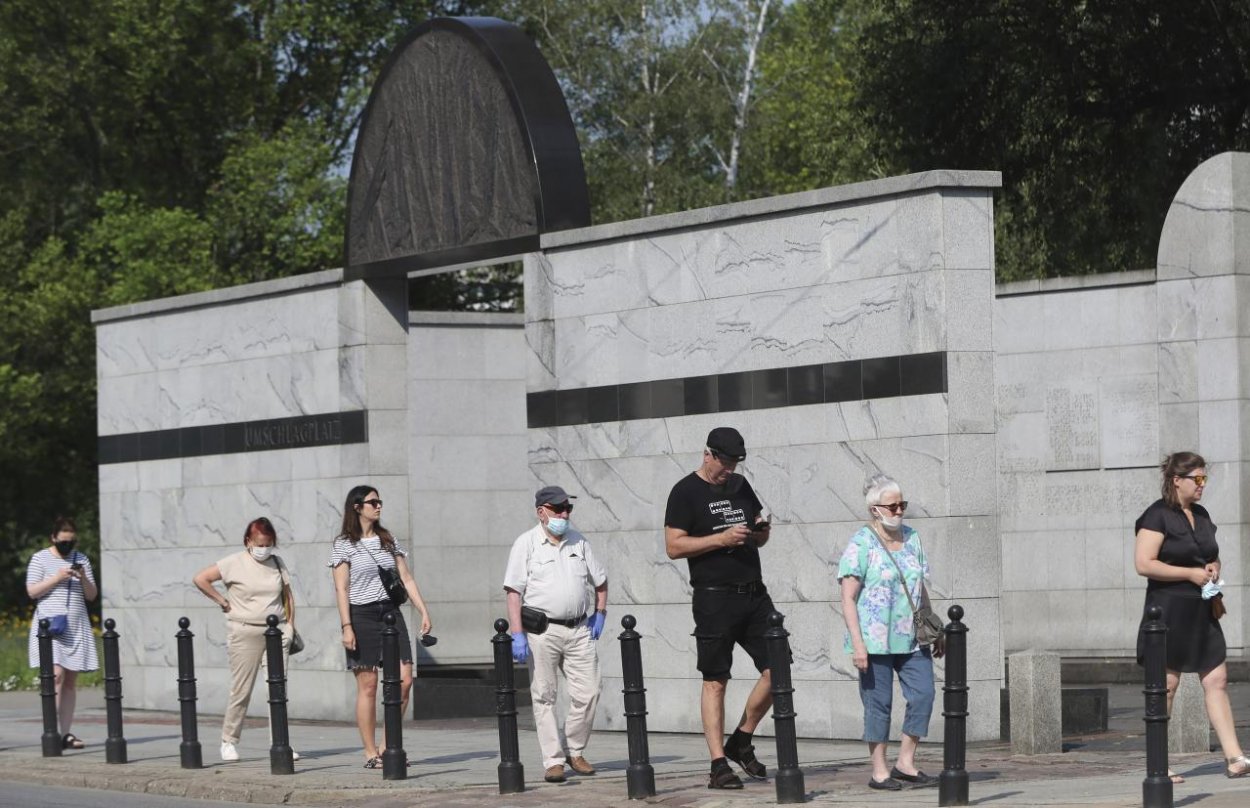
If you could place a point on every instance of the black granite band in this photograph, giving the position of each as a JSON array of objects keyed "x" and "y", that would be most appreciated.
[
  {"x": 853, "y": 380},
  {"x": 326, "y": 429}
]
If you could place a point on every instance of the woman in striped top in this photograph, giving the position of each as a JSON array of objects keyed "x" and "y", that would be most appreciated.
[
  {"x": 59, "y": 579},
  {"x": 361, "y": 548}
]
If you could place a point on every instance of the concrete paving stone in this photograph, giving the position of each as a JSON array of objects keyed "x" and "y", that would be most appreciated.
[{"x": 453, "y": 763}]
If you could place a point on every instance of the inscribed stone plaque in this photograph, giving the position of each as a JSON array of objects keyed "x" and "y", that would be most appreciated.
[
  {"x": 1072, "y": 426},
  {"x": 1129, "y": 414}
]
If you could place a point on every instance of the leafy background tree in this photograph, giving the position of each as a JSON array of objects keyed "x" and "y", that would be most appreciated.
[{"x": 168, "y": 146}]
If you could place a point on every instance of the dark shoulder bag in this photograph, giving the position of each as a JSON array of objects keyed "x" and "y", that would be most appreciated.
[
  {"x": 927, "y": 624},
  {"x": 391, "y": 582}
]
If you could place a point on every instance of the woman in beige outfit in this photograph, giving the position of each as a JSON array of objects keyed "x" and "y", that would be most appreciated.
[{"x": 257, "y": 585}]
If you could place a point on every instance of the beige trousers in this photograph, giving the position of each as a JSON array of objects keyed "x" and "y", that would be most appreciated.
[
  {"x": 569, "y": 651},
  {"x": 245, "y": 650}
]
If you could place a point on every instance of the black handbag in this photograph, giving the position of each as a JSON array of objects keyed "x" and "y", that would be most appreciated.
[
  {"x": 533, "y": 620},
  {"x": 58, "y": 624},
  {"x": 928, "y": 625},
  {"x": 391, "y": 582}
]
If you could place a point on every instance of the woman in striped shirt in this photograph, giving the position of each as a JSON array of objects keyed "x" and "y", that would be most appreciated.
[{"x": 361, "y": 551}]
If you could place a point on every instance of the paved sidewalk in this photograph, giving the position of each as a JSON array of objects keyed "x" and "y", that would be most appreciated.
[{"x": 453, "y": 763}]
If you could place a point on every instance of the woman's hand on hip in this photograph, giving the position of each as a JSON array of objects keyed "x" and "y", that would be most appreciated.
[{"x": 349, "y": 638}]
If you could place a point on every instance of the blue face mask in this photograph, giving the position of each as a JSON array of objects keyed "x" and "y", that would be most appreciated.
[{"x": 557, "y": 526}]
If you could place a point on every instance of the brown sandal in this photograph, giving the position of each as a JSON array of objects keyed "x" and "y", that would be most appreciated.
[
  {"x": 1242, "y": 772},
  {"x": 374, "y": 762}
]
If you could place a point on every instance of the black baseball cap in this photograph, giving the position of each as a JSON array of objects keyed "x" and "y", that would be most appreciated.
[
  {"x": 727, "y": 441},
  {"x": 551, "y": 495}
]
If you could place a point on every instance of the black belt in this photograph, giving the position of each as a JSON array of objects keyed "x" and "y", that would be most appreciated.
[
  {"x": 752, "y": 588},
  {"x": 571, "y": 623}
]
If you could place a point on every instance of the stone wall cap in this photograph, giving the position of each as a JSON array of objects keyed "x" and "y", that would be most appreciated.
[
  {"x": 467, "y": 319},
  {"x": 819, "y": 198},
  {"x": 229, "y": 294},
  {"x": 1070, "y": 283}
]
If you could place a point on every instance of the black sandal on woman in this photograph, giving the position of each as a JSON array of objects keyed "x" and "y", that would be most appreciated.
[
  {"x": 374, "y": 762},
  {"x": 72, "y": 741}
]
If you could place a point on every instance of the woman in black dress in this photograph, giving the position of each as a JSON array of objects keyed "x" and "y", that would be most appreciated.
[{"x": 1177, "y": 552}]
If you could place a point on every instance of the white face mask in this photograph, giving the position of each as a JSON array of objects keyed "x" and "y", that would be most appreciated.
[
  {"x": 261, "y": 553},
  {"x": 892, "y": 521}
]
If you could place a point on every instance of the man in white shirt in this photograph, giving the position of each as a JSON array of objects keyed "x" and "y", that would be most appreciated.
[{"x": 552, "y": 569}]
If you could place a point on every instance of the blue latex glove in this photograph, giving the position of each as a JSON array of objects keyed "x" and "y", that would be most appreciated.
[
  {"x": 596, "y": 624},
  {"x": 520, "y": 647}
]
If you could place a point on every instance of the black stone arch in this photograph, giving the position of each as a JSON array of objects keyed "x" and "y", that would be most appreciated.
[{"x": 466, "y": 151}]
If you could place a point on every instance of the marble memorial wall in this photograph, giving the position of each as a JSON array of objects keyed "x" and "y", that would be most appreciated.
[
  {"x": 842, "y": 332},
  {"x": 1098, "y": 378},
  {"x": 265, "y": 400}
]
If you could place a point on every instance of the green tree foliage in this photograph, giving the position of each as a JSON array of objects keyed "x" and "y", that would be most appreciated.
[
  {"x": 152, "y": 148},
  {"x": 1094, "y": 112}
]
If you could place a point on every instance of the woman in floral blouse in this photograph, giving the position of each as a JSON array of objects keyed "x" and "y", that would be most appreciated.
[{"x": 880, "y": 635}]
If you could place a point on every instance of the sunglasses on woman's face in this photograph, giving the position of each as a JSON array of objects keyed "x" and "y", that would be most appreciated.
[
  {"x": 895, "y": 507},
  {"x": 1199, "y": 479},
  {"x": 373, "y": 503}
]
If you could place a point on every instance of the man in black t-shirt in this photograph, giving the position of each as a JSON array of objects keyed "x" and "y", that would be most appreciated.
[{"x": 714, "y": 521}]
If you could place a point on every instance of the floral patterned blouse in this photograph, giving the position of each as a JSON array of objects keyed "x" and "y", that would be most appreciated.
[{"x": 885, "y": 616}]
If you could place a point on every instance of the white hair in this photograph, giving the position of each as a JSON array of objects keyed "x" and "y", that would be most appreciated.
[{"x": 876, "y": 487}]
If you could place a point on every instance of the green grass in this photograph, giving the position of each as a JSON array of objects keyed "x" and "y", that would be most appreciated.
[{"x": 15, "y": 670}]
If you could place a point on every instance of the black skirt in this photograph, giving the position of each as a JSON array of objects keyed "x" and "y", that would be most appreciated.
[
  {"x": 367, "y": 625},
  {"x": 1195, "y": 641}
]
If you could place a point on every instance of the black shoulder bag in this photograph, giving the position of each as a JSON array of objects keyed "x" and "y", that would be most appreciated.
[{"x": 391, "y": 581}]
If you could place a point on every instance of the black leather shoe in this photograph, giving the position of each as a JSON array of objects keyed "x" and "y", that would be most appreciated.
[
  {"x": 917, "y": 780},
  {"x": 888, "y": 784}
]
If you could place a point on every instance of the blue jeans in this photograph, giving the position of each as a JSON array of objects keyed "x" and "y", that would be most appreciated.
[{"x": 876, "y": 690}]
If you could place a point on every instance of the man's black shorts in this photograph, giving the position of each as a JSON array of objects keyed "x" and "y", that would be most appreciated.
[{"x": 722, "y": 618}]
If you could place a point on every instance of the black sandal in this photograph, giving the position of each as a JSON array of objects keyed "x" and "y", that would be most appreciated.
[
  {"x": 374, "y": 762},
  {"x": 723, "y": 777},
  {"x": 745, "y": 757},
  {"x": 71, "y": 741}
]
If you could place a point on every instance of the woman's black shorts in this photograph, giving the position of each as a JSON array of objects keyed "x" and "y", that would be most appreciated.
[{"x": 367, "y": 625}]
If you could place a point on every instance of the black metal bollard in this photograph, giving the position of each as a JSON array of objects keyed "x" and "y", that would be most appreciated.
[
  {"x": 51, "y": 738},
  {"x": 953, "y": 782},
  {"x": 789, "y": 779},
  {"x": 394, "y": 759},
  {"x": 1156, "y": 789},
  {"x": 190, "y": 752},
  {"x": 281, "y": 759},
  {"x": 115, "y": 744},
  {"x": 640, "y": 776},
  {"x": 511, "y": 772}
]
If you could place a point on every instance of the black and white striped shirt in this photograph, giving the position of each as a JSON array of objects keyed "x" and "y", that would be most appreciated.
[{"x": 363, "y": 559}]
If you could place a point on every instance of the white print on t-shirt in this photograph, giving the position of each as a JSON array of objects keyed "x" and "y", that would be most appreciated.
[{"x": 726, "y": 511}]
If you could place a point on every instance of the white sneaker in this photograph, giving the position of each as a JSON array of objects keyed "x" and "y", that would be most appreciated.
[
  {"x": 294, "y": 755},
  {"x": 228, "y": 753}
]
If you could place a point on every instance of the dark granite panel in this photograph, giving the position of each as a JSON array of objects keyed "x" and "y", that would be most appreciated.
[
  {"x": 805, "y": 385},
  {"x": 603, "y": 405},
  {"x": 700, "y": 395},
  {"x": 635, "y": 400},
  {"x": 881, "y": 377},
  {"x": 668, "y": 398},
  {"x": 769, "y": 388},
  {"x": 844, "y": 381},
  {"x": 540, "y": 409},
  {"x": 734, "y": 391},
  {"x": 923, "y": 373},
  {"x": 572, "y": 407}
]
